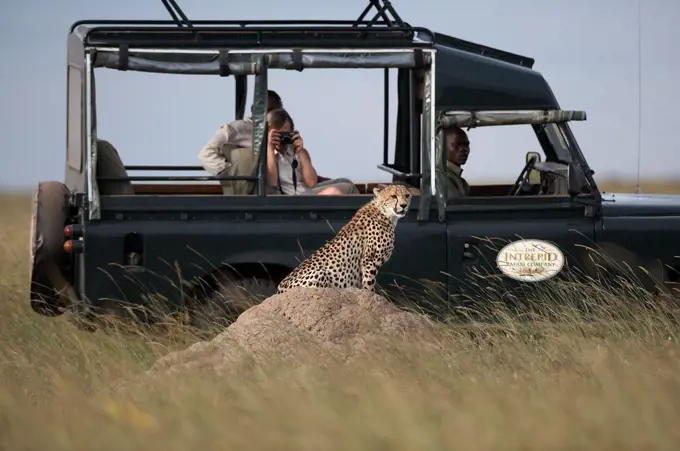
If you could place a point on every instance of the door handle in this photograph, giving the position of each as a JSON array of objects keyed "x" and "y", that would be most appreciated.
[{"x": 470, "y": 252}]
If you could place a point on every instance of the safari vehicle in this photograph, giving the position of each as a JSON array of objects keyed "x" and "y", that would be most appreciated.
[{"x": 106, "y": 241}]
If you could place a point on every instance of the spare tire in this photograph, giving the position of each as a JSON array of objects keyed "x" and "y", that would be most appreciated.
[{"x": 50, "y": 212}]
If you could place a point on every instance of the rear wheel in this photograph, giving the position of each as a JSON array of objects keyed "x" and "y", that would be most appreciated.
[
  {"x": 50, "y": 290},
  {"x": 229, "y": 298}
]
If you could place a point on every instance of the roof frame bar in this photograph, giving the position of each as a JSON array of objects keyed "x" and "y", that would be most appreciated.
[
  {"x": 181, "y": 19},
  {"x": 174, "y": 10},
  {"x": 382, "y": 7},
  {"x": 385, "y": 20},
  {"x": 381, "y": 12}
]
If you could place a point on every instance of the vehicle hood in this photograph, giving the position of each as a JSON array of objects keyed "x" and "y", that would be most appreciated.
[{"x": 626, "y": 204}]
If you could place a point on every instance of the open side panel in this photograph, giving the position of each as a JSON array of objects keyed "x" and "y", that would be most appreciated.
[
  {"x": 384, "y": 59},
  {"x": 75, "y": 124},
  {"x": 241, "y": 91},
  {"x": 408, "y": 127}
]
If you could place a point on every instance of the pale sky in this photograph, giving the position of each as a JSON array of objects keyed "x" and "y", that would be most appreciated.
[{"x": 586, "y": 49}]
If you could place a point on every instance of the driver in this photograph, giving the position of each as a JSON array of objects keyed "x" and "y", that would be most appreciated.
[{"x": 457, "y": 147}]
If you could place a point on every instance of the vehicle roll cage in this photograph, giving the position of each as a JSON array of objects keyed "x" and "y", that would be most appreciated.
[
  {"x": 120, "y": 43},
  {"x": 239, "y": 48},
  {"x": 258, "y": 65}
]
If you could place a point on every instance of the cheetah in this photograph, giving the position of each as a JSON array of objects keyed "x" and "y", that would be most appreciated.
[{"x": 353, "y": 257}]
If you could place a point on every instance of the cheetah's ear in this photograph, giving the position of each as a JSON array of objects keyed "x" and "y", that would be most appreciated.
[{"x": 379, "y": 188}]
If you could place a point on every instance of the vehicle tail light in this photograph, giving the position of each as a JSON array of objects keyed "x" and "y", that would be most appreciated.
[
  {"x": 74, "y": 246},
  {"x": 73, "y": 231}
]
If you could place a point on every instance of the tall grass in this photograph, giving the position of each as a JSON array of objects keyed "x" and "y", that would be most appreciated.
[{"x": 552, "y": 378}]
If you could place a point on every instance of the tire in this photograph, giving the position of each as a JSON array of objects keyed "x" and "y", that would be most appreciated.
[
  {"x": 229, "y": 298},
  {"x": 50, "y": 209}
]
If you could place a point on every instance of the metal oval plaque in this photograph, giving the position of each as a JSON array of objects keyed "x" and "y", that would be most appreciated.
[{"x": 530, "y": 260}]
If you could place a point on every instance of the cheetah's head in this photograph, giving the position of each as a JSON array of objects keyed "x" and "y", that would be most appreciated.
[{"x": 393, "y": 200}]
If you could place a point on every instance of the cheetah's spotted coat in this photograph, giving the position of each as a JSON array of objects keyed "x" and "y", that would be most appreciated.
[{"x": 355, "y": 255}]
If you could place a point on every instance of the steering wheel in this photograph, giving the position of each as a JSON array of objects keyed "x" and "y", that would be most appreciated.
[{"x": 523, "y": 176}]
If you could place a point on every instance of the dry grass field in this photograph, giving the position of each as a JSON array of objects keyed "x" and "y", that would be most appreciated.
[
  {"x": 646, "y": 186},
  {"x": 612, "y": 383}
]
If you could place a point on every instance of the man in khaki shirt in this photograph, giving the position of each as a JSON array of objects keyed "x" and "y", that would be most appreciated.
[
  {"x": 457, "y": 147},
  {"x": 214, "y": 156}
]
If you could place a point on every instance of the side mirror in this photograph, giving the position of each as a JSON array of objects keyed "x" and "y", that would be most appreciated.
[
  {"x": 577, "y": 180},
  {"x": 531, "y": 155},
  {"x": 534, "y": 176}
]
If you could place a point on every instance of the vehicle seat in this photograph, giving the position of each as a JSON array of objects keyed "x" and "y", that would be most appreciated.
[
  {"x": 109, "y": 164},
  {"x": 242, "y": 164}
]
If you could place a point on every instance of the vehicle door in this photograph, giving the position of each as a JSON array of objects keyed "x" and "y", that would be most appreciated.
[
  {"x": 507, "y": 245},
  {"x": 503, "y": 247}
]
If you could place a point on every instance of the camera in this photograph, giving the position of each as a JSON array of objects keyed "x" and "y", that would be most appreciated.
[{"x": 286, "y": 138}]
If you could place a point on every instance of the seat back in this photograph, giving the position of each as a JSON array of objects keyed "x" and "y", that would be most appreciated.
[{"x": 109, "y": 164}]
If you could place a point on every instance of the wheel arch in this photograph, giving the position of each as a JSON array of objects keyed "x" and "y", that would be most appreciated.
[{"x": 269, "y": 270}]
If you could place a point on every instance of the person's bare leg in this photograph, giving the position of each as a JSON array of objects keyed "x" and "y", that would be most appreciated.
[{"x": 330, "y": 191}]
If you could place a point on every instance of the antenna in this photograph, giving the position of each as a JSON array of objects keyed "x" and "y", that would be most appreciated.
[{"x": 639, "y": 49}]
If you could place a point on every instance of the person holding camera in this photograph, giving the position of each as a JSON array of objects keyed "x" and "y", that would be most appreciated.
[{"x": 289, "y": 166}]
